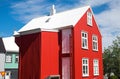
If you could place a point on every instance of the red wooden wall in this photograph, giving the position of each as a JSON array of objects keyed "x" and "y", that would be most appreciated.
[
  {"x": 49, "y": 54},
  {"x": 79, "y": 53},
  {"x": 29, "y": 62},
  {"x": 39, "y": 55}
]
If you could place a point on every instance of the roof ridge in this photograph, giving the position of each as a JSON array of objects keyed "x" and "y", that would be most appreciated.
[{"x": 58, "y": 20}]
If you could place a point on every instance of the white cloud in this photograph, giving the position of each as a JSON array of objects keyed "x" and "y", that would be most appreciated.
[
  {"x": 94, "y": 2},
  {"x": 29, "y": 9},
  {"x": 109, "y": 20}
]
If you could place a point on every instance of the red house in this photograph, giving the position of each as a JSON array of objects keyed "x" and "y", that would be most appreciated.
[{"x": 66, "y": 45}]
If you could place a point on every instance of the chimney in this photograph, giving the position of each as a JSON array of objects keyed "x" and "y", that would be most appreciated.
[{"x": 53, "y": 10}]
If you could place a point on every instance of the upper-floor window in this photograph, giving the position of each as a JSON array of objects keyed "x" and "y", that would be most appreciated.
[
  {"x": 16, "y": 58},
  {"x": 95, "y": 67},
  {"x": 95, "y": 42},
  {"x": 66, "y": 34},
  {"x": 84, "y": 40},
  {"x": 8, "y": 58},
  {"x": 89, "y": 18},
  {"x": 85, "y": 67}
]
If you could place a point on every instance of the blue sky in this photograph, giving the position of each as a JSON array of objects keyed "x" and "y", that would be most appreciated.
[{"x": 14, "y": 14}]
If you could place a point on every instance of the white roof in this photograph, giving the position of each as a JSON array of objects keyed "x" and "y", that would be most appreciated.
[
  {"x": 10, "y": 45},
  {"x": 58, "y": 20}
]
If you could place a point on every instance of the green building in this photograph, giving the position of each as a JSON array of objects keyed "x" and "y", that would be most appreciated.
[{"x": 11, "y": 58}]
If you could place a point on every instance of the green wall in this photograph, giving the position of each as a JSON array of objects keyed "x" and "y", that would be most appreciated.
[{"x": 13, "y": 64}]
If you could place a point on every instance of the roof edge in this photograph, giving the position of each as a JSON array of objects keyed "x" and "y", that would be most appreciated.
[
  {"x": 17, "y": 34},
  {"x": 17, "y": 51},
  {"x": 95, "y": 20}
]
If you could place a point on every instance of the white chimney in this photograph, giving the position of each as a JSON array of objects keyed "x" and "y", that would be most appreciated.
[{"x": 53, "y": 10}]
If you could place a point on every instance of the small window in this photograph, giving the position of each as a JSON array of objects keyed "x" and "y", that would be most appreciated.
[
  {"x": 84, "y": 40},
  {"x": 85, "y": 68},
  {"x": 8, "y": 73},
  {"x": 16, "y": 59},
  {"x": 95, "y": 43},
  {"x": 89, "y": 18},
  {"x": 8, "y": 58},
  {"x": 96, "y": 67}
]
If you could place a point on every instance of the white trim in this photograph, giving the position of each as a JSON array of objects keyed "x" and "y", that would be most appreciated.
[
  {"x": 89, "y": 18},
  {"x": 95, "y": 41},
  {"x": 30, "y": 31},
  {"x": 17, "y": 34},
  {"x": 85, "y": 38},
  {"x": 85, "y": 64},
  {"x": 96, "y": 65},
  {"x": 50, "y": 30}
]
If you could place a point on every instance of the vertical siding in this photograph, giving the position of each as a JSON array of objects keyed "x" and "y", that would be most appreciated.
[
  {"x": 49, "y": 54},
  {"x": 29, "y": 64},
  {"x": 79, "y": 53}
]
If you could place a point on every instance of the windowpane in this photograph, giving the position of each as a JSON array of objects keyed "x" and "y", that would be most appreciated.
[
  {"x": 95, "y": 42},
  {"x": 85, "y": 70},
  {"x": 66, "y": 40},
  {"x": 8, "y": 58},
  {"x": 96, "y": 67},
  {"x": 66, "y": 68},
  {"x": 89, "y": 18},
  {"x": 84, "y": 40}
]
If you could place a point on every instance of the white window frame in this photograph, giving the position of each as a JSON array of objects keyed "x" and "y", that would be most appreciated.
[
  {"x": 84, "y": 40},
  {"x": 8, "y": 58},
  {"x": 96, "y": 67},
  {"x": 94, "y": 42},
  {"x": 86, "y": 66},
  {"x": 89, "y": 18}
]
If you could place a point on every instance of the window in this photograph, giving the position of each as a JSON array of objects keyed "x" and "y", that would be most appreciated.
[
  {"x": 84, "y": 40},
  {"x": 85, "y": 68},
  {"x": 89, "y": 18},
  {"x": 8, "y": 73},
  {"x": 95, "y": 67},
  {"x": 95, "y": 42},
  {"x": 66, "y": 33},
  {"x": 16, "y": 59},
  {"x": 8, "y": 58}
]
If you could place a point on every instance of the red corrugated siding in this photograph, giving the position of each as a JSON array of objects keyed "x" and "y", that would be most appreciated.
[
  {"x": 49, "y": 54},
  {"x": 79, "y": 53},
  {"x": 29, "y": 64}
]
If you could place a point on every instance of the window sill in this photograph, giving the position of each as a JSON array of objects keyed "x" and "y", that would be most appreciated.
[
  {"x": 95, "y": 50},
  {"x": 96, "y": 74},
  {"x": 85, "y": 76},
  {"x": 8, "y": 62},
  {"x": 84, "y": 48},
  {"x": 89, "y": 25}
]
